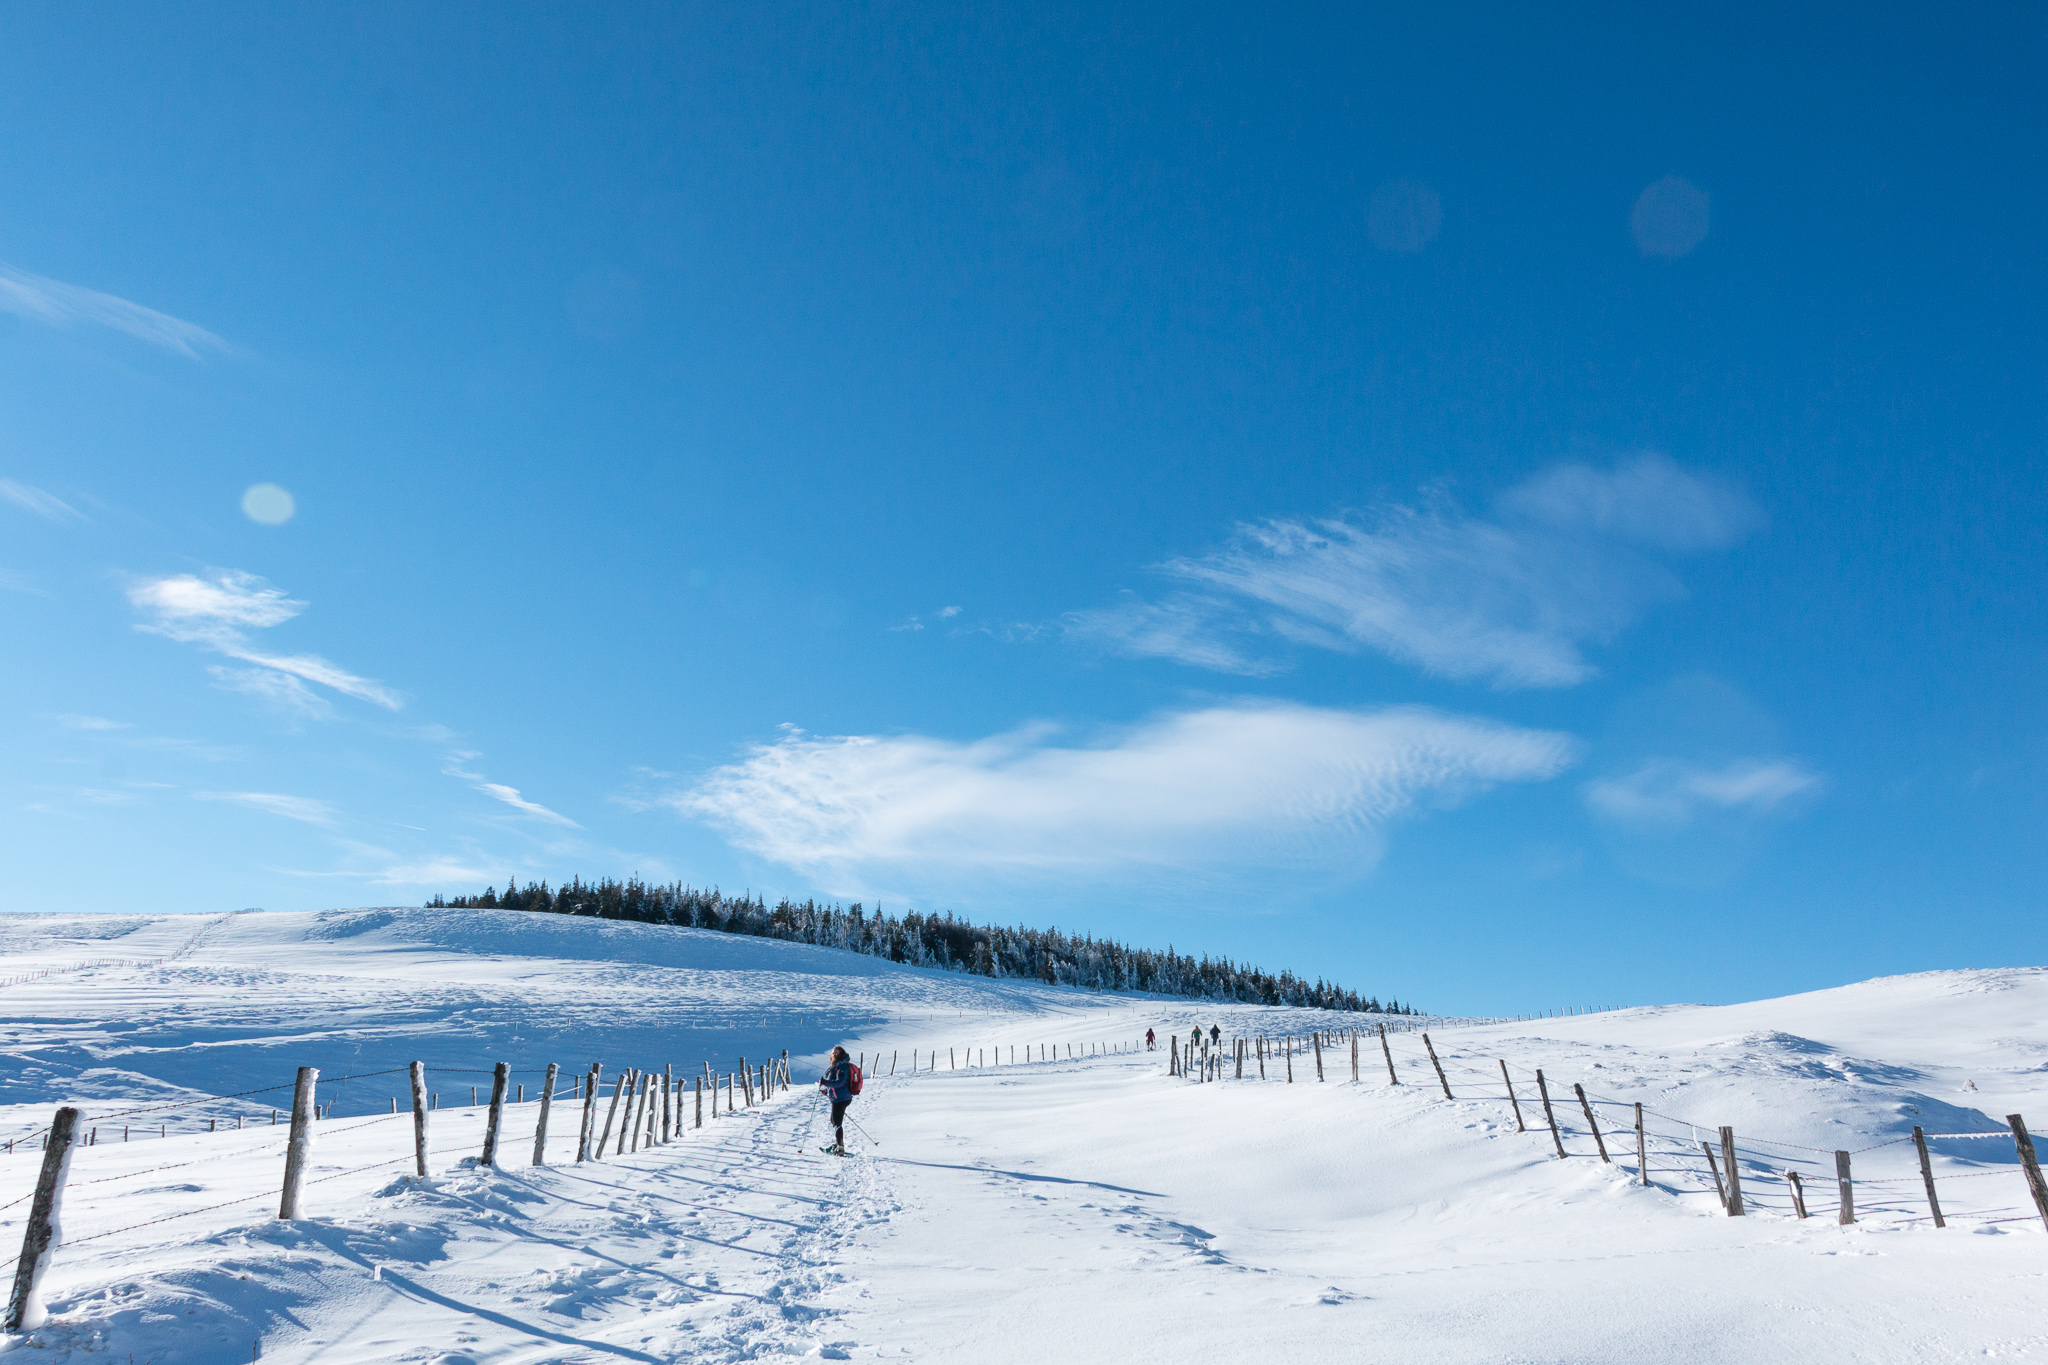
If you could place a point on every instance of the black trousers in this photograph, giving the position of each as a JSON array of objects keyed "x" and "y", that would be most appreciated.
[{"x": 839, "y": 1121}]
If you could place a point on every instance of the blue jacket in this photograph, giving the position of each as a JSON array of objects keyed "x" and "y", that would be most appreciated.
[{"x": 838, "y": 1082}]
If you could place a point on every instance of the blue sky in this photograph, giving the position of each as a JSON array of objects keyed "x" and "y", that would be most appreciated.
[{"x": 1506, "y": 510}]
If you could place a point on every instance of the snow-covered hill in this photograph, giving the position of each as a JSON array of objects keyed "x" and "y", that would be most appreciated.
[{"x": 1091, "y": 1209}]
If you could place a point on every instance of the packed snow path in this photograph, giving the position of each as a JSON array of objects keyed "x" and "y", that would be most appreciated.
[{"x": 1093, "y": 1210}]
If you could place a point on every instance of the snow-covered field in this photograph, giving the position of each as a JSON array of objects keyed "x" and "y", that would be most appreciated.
[{"x": 1091, "y": 1209}]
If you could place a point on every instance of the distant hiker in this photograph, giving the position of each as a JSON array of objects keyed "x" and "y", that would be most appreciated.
[
  {"x": 1216, "y": 1034},
  {"x": 1150, "y": 1042},
  {"x": 841, "y": 1082}
]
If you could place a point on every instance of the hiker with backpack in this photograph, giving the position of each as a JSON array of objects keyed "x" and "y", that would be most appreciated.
[
  {"x": 841, "y": 1082},
  {"x": 1149, "y": 1044}
]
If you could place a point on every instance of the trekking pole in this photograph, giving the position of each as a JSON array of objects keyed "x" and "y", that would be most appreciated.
[{"x": 862, "y": 1131}]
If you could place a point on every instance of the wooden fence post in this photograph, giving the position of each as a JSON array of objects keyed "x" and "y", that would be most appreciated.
[
  {"x": 1720, "y": 1190},
  {"x": 501, "y": 1079},
  {"x": 299, "y": 1146},
  {"x": 1543, "y": 1089},
  {"x": 25, "y": 1311},
  {"x": 1927, "y": 1177},
  {"x": 636, "y": 1109},
  {"x": 1844, "y": 1189},
  {"x": 589, "y": 1125},
  {"x": 1507, "y": 1081},
  {"x": 419, "y": 1117},
  {"x": 1642, "y": 1148},
  {"x": 1261, "y": 1042},
  {"x": 700, "y": 1102},
  {"x": 1798, "y": 1193},
  {"x": 1587, "y": 1106},
  {"x": 1392, "y": 1079},
  {"x": 1734, "y": 1172},
  {"x": 1438, "y": 1065},
  {"x": 1173, "y": 1054},
  {"x": 1290, "y": 1059},
  {"x": 2024, "y": 1141},
  {"x": 547, "y": 1100},
  {"x": 1354, "y": 1056},
  {"x": 604, "y": 1138},
  {"x": 1317, "y": 1040}
]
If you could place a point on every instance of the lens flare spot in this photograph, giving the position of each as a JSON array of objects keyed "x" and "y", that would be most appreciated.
[{"x": 269, "y": 505}]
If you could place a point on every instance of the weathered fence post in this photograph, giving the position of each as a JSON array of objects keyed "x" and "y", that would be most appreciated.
[
  {"x": 299, "y": 1146},
  {"x": 1354, "y": 1056},
  {"x": 1507, "y": 1081},
  {"x": 1587, "y": 1106},
  {"x": 1844, "y": 1189},
  {"x": 419, "y": 1118},
  {"x": 1543, "y": 1089},
  {"x": 1438, "y": 1065},
  {"x": 2024, "y": 1141},
  {"x": 1798, "y": 1193},
  {"x": 1392, "y": 1079},
  {"x": 604, "y": 1138},
  {"x": 1262, "y": 1056},
  {"x": 1290, "y": 1059},
  {"x": 746, "y": 1076},
  {"x": 1927, "y": 1177},
  {"x": 1173, "y": 1054},
  {"x": 1734, "y": 1172},
  {"x": 1316, "y": 1040},
  {"x": 501, "y": 1080},
  {"x": 25, "y": 1310},
  {"x": 547, "y": 1101},
  {"x": 1720, "y": 1190},
  {"x": 700, "y": 1103},
  {"x": 1642, "y": 1148},
  {"x": 589, "y": 1112},
  {"x": 629, "y": 1126}
]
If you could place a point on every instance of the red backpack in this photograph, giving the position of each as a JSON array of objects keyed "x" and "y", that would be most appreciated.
[{"x": 852, "y": 1079}]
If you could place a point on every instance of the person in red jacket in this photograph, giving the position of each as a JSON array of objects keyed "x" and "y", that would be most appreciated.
[
  {"x": 837, "y": 1083},
  {"x": 1150, "y": 1042}
]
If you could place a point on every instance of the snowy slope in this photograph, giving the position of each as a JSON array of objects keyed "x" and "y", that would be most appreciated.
[{"x": 1083, "y": 1210}]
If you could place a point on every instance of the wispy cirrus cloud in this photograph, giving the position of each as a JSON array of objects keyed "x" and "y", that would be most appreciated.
[
  {"x": 216, "y": 612},
  {"x": 1265, "y": 783},
  {"x": 1669, "y": 794},
  {"x": 1566, "y": 559},
  {"x": 56, "y": 304},
  {"x": 301, "y": 808},
  {"x": 48, "y": 506},
  {"x": 73, "y": 722},
  {"x": 498, "y": 791}
]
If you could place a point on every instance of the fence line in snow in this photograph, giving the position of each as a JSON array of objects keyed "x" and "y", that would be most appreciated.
[{"x": 1727, "y": 1172}]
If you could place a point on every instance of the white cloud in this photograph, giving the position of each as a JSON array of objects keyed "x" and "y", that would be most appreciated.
[
  {"x": 1511, "y": 598},
  {"x": 498, "y": 791},
  {"x": 91, "y": 723},
  {"x": 1670, "y": 794},
  {"x": 1251, "y": 783},
  {"x": 282, "y": 691},
  {"x": 61, "y": 305},
  {"x": 1187, "y": 629},
  {"x": 436, "y": 872},
  {"x": 301, "y": 808},
  {"x": 948, "y": 613},
  {"x": 48, "y": 506},
  {"x": 212, "y": 612}
]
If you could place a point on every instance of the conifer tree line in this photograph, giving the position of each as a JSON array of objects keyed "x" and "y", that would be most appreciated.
[{"x": 932, "y": 941}]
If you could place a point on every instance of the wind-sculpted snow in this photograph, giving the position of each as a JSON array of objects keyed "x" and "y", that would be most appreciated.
[{"x": 1085, "y": 1209}]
